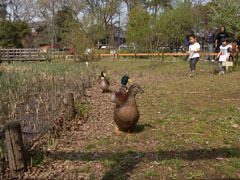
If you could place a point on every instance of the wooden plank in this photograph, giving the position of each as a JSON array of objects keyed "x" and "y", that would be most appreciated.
[
  {"x": 15, "y": 148},
  {"x": 227, "y": 64}
]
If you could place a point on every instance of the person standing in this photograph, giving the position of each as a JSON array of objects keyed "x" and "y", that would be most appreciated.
[
  {"x": 211, "y": 43},
  {"x": 223, "y": 55},
  {"x": 187, "y": 43},
  {"x": 220, "y": 36},
  {"x": 194, "y": 50}
]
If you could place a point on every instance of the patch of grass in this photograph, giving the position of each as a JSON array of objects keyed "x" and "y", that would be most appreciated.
[
  {"x": 112, "y": 175},
  {"x": 173, "y": 175},
  {"x": 36, "y": 160},
  {"x": 91, "y": 176},
  {"x": 160, "y": 120},
  {"x": 230, "y": 152},
  {"x": 150, "y": 174},
  {"x": 83, "y": 110},
  {"x": 234, "y": 162},
  {"x": 84, "y": 170},
  {"x": 88, "y": 157},
  {"x": 91, "y": 146},
  {"x": 195, "y": 175},
  {"x": 109, "y": 163}
]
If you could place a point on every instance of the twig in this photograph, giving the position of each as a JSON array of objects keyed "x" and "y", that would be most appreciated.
[
  {"x": 194, "y": 134},
  {"x": 194, "y": 92},
  {"x": 231, "y": 99}
]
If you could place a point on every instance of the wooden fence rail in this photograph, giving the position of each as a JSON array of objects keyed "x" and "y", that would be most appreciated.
[
  {"x": 21, "y": 55},
  {"x": 115, "y": 56}
]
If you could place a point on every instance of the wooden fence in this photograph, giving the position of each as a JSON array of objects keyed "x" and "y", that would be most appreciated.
[
  {"x": 135, "y": 55},
  {"x": 21, "y": 55},
  {"x": 36, "y": 55}
]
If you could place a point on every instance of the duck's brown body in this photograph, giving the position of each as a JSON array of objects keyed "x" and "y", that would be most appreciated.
[
  {"x": 120, "y": 95},
  {"x": 127, "y": 115},
  {"x": 104, "y": 84}
]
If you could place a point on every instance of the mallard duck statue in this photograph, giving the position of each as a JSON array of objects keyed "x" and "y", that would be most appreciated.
[
  {"x": 127, "y": 115},
  {"x": 103, "y": 82}
]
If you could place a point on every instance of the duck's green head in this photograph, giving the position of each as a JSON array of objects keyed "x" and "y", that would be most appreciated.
[
  {"x": 125, "y": 80},
  {"x": 103, "y": 74}
]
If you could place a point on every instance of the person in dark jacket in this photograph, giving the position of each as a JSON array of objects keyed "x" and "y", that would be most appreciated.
[
  {"x": 211, "y": 43},
  {"x": 220, "y": 36}
]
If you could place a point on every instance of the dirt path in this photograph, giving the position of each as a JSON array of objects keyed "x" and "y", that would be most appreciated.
[{"x": 68, "y": 160}]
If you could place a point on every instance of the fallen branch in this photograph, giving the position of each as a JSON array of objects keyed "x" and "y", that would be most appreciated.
[{"x": 194, "y": 92}]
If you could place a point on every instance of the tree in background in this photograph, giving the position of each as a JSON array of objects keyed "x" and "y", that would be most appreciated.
[
  {"x": 226, "y": 13},
  {"x": 64, "y": 22},
  {"x": 168, "y": 28},
  {"x": 103, "y": 14},
  {"x": 22, "y": 10},
  {"x": 138, "y": 29},
  {"x": 12, "y": 33},
  {"x": 3, "y": 9},
  {"x": 157, "y": 6}
]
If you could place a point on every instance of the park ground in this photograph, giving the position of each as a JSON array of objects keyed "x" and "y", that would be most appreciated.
[{"x": 189, "y": 128}]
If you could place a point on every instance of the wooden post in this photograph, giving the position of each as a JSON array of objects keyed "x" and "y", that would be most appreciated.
[
  {"x": 29, "y": 53},
  {"x": 99, "y": 56},
  {"x": 87, "y": 82},
  {"x": 82, "y": 89},
  {"x": 15, "y": 148},
  {"x": 39, "y": 57},
  {"x": 69, "y": 105},
  {"x": 135, "y": 56},
  {"x": 8, "y": 56},
  {"x": 14, "y": 54},
  {"x": 0, "y": 57},
  {"x": 21, "y": 55}
]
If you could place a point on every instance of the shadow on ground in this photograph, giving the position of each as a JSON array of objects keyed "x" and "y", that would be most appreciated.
[
  {"x": 140, "y": 128},
  {"x": 125, "y": 162}
]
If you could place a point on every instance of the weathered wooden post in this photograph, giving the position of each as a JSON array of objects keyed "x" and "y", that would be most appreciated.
[
  {"x": 162, "y": 55},
  {"x": 8, "y": 56},
  {"x": 69, "y": 105},
  {"x": 82, "y": 89},
  {"x": 21, "y": 55},
  {"x": 1, "y": 151},
  {"x": 15, "y": 148},
  {"x": 87, "y": 82},
  {"x": 29, "y": 54},
  {"x": 0, "y": 57}
]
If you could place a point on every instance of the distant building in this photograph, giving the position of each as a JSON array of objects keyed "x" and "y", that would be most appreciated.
[{"x": 116, "y": 37}]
